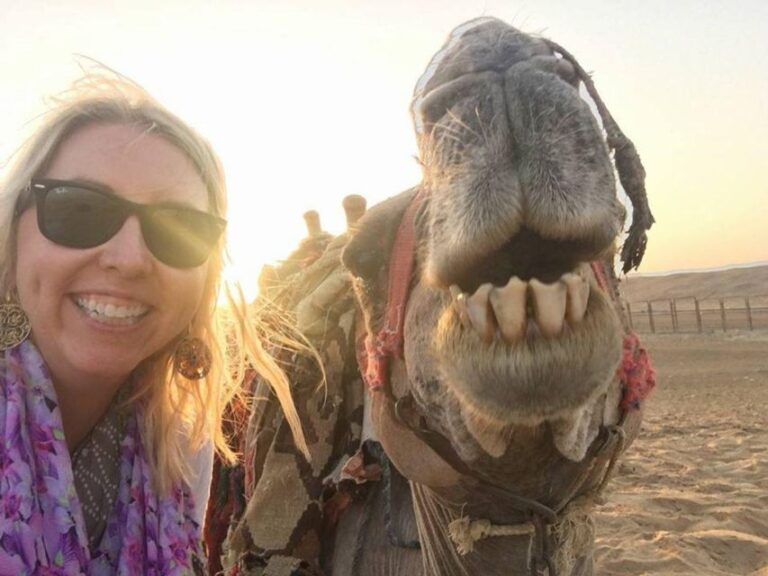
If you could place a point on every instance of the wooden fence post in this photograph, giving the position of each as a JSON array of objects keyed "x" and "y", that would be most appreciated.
[
  {"x": 650, "y": 317},
  {"x": 698, "y": 314},
  {"x": 722, "y": 314},
  {"x": 673, "y": 314},
  {"x": 629, "y": 316},
  {"x": 749, "y": 313}
]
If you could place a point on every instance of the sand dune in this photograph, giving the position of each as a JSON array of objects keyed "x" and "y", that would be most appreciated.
[
  {"x": 691, "y": 495},
  {"x": 724, "y": 283}
]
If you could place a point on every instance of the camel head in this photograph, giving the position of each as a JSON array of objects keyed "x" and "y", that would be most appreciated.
[{"x": 505, "y": 324}]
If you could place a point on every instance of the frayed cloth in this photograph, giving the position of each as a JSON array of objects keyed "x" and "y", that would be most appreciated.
[{"x": 636, "y": 372}]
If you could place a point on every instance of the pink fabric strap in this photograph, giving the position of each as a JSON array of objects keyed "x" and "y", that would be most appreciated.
[
  {"x": 636, "y": 371},
  {"x": 389, "y": 341}
]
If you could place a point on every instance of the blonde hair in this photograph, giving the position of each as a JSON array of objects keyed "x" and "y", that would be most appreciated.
[{"x": 171, "y": 403}]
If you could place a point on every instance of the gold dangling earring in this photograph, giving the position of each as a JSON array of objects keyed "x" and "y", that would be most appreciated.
[
  {"x": 192, "y": 358},
  {"x": 14, "y": 323}
]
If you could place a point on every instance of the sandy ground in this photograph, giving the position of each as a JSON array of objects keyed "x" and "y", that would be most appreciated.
[{"x": 691, "y": 495}]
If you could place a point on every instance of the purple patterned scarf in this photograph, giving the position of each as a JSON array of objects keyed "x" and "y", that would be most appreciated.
[{"x": 42, "y": 530}]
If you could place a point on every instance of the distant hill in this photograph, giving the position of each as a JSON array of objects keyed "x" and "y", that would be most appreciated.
[{"x": 750, "y": 281}]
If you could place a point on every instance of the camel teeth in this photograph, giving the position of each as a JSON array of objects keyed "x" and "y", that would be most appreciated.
[
  {"x": 578, "y": 297},
  {"x": 508, "y": 304},
  {"x": 549, "y": 302},
  {"x": 506, "y": 308},
  {"x": 460, "y": 304},
  {"x": 481, "y": 314}
]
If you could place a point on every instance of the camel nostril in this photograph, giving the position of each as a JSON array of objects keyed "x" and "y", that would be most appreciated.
[{"x": 556, "y": 65}]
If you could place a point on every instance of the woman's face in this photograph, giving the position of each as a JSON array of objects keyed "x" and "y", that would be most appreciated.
[{"x": 96, "y": 313}]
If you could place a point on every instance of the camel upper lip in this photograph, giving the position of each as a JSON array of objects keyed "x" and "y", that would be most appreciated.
[{"x": 526, "y": 255}]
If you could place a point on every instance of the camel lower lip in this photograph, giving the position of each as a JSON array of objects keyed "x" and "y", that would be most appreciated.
[{"x": 504, "y": 379}]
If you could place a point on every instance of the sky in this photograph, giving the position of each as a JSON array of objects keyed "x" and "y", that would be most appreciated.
[{"x": 307, "y": 101}]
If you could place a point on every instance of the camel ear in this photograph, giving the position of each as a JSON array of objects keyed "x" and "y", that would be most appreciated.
[{"x": 367, "y": 253}]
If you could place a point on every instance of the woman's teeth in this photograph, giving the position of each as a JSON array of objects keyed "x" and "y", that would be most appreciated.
[{"x": 110, "y": 312}]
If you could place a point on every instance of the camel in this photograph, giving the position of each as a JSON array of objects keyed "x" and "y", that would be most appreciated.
[{"x": 475, "y": 380}]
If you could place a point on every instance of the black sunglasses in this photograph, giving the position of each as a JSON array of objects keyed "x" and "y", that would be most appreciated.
[{"x": 80, "y": 215}]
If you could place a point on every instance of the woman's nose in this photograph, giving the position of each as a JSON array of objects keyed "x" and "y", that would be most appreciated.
[{"x": 126, "y": 251}]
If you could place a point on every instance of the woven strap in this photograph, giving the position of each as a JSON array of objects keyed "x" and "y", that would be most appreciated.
[{"x": 389, "y": 340}]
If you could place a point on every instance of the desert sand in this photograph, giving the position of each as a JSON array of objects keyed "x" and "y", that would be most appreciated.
[{"x": 691, "y": 494}]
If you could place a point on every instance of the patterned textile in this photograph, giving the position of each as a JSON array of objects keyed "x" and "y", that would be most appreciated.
[
  {"x": 96, "y": 468},
  {"x": 291, "y": 502},
  {"x": 42, "y": 530}
]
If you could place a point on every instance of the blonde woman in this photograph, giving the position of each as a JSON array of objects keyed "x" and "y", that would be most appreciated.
[{"x": 114, "y": 368}]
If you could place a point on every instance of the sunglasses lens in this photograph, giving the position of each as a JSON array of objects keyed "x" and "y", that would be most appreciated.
[
  {"x": 180, "y": 237},
  {"x": 78, "y": 217}
]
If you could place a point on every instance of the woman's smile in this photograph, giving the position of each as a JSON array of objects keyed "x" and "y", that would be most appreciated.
[{"x": 110, "y": 310}]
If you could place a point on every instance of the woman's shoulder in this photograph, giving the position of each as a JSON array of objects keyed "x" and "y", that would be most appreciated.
[{"x": 201, "y": 471}]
